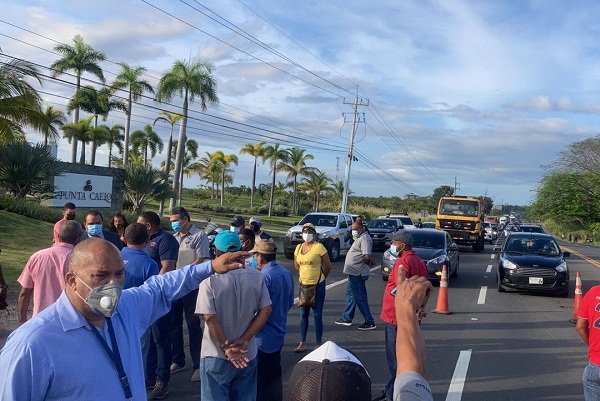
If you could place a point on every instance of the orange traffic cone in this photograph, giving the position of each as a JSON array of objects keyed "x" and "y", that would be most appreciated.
[
  {"x": 578, "y": 297},
  {"x": 442, "y": 301}
]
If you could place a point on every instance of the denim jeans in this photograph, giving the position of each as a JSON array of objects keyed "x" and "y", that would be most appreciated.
[
  {"x": 390, "y": 355},
  {"x": 186, "y": 306},
  {"x": 317, "y": 314},
  {"x": 269, "y": 383},
  {"x": 221, "y": 381},
  {"x": 158, "y": 364},
  {"x": 591, "y": 382},
  {"x": 356, "y": 295}
]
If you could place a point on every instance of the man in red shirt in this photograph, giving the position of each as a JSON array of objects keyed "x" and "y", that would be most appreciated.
[
  {"x": 588, "y": 326},
  {"x": 402, "y": 242}
]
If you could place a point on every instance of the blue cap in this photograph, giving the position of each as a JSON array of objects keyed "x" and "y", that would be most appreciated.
[{"x": 227, "y": 241}]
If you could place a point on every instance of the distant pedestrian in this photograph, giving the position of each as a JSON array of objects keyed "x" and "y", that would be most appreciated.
[
  {"x": 248, "y": 239},
  {"x": 237, "y": 223},
  {"x": 589, "y": 315},
  {"x": 419, "y": 224},
  {"x": 256, "y": 226},
  {"x": 118, "y": 224},
  {"x": 357, "y": 267},
  {"x": 312, "y": 262},
  {"x": 270, "y": 338},
  {"x": 570, "y": 237},
  {"x": 235, "y": 308},
  {"x": 69, "y": 213}
]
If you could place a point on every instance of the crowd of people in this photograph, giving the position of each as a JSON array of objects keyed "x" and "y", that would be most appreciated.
[{"x": 109, "y": 305}]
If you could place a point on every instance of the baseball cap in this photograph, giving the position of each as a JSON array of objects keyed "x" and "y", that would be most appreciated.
[
  {"x": 266, "y": 247},
  {"x": 227, "y": 241},
  {"x": 329, "y": 373},
  {"x": 310, "y": 226},
  {"x": 256, "y": 220},
  {"x": 402, "y": 236},
  {"x": 238, "y": 221}
]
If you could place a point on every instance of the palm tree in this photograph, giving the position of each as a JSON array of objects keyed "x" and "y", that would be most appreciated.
[
  {"x": 172, "y": 119},
  {"x": 191, "y": 154},
  {"x": 274, "y": 155},
  {"x": 26, "y": 169},
  {"x": 144, "y": 183},
  {"x": 296, "y": 165},
  {"x": 98, "y": 137},
  {"x": 141, "y": 141},
  {"x": 256, "y": 150},
  {"x": 315, "y": 184},
  {"x": 337, "y": 190},
  {"x": 222, "y": 162},
  {"x": 20, "y": 103},
  {"x": 206, "y": 170},
  {"x": 54, "y": 117},
  {"x": 189, "y": 80},
  {"x": 79, "y": 58},
  {"x": 98, "y": 103},
  {"x": 130, "y": 77},
  {"x": 78, "y": 131},
  {"x": 115, "y": 138}
]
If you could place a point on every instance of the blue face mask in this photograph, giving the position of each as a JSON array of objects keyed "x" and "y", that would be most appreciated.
[
  {"x": 254, "y": 262},
  {"x": 354, "y": 234},
  {"x": 176, "y": 226},
  {"x": 94, "y": 229},
  {"x": 234, "y": 229},
  {"x": 394, "y": 250}
]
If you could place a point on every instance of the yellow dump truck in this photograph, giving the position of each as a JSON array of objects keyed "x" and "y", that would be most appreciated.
[{"x": 462, "y": 217}]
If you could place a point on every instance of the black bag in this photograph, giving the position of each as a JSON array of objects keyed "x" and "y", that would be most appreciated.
[{"x": 307, "y": 296}]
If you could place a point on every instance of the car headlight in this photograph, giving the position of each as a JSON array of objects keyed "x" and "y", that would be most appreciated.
[
  {"x": 562, "y": 267},
  {"x": 324, "y": 235},
  {"x": 507, "y": 264},
  {"x": 388, "y": 256},
  {"x": 438, "y": 260},
  {"x": 289, "y": 233}
]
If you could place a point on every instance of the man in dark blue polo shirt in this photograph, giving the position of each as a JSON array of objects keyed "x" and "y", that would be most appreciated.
[
  {"x": 269, "y": 339},
  {"x": 163, "y": 248}
]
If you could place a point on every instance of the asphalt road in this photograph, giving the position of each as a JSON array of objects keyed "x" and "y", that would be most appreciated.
[{"x": 494, "y": 346}]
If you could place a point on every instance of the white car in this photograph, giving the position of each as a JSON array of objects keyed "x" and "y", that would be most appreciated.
[
  {"x": 490, "y": 233},
  {"x": 406, "y": 221}
]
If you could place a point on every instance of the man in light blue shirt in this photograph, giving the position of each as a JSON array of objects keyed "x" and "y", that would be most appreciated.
[
  {"x": 270, "y": 338},
  {"x": 72, "y": 350}
]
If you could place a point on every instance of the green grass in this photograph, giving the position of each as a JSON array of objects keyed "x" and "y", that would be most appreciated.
[{"x": 20, "y": 237}]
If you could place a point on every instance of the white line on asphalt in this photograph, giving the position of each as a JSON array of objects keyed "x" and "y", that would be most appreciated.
[
  {"x": 460, "y": 374},
  {"x": 489, "y": 269},
  {"x": 482, "y": 292},
  {"x": 334, "y": 284}
]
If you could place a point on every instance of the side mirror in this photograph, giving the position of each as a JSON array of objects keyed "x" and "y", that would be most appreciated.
[
  {"x": 566, "y": 254},
  {"x": 296, "y": 223},
  {"x": 453, "y": 248}
]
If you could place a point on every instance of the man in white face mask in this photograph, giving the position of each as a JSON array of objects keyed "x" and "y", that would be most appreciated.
[{"x": 86, "y": 346}]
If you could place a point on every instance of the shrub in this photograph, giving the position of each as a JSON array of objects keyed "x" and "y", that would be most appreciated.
[
  {"x": 30, "y": 209},
  {"x": 280, "y": 210}
]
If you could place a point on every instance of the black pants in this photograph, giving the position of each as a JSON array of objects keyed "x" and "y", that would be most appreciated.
[
  {"x": 187, "y": 306},
  {"x": 269, "y": 384},
  {"x": 158, "y": 365}
]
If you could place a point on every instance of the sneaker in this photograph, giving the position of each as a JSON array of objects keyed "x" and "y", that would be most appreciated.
[
  {"x": 176, "y": 368},
  {"x": 196, "y": 375},
  {"x": 159, "y": 391},
  {"x": 367, "y": 326},
  {"x": 343, "y": 322}
]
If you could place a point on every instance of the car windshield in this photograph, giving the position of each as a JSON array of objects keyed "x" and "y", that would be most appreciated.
[
  {"x": 427, "y": 240},
  {"x": 459, "y": 207},
  {"x": 322, "y": 220},
  {"x": 537, "y": 246},
  {"x": 532, "y": 229},
  {"x": 406, "y": 221},
  {"x": 382, "y": 223}
]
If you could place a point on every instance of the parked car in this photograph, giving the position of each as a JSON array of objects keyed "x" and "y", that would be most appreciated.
[
  {"x": 331, "y": 229},
  {"x": 429, "y": 224},
  {"x": 532, "y": 262},
  {"x": 435, "y": 247},
  {"x": 406, "y": 220},
  {"x": 379, "y": 229}
]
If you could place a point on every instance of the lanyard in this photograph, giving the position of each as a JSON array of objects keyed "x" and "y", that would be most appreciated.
[{"x": 114, "y": 356}]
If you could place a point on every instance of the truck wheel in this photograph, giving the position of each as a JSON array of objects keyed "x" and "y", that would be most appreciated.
[
  {"x": 289, "y": 255},
  {"x": 476, "y": 247},
  {"x": 334, "y": 252}
]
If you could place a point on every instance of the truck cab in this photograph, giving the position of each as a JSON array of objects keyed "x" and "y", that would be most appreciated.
[{"x": 462, "y": 217}]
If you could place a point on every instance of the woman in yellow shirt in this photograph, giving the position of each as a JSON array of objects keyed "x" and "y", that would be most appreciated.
[{"x": 312, "y": 262}]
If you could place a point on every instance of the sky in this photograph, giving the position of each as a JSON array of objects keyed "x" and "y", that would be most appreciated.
[{"x": 478, "y": 94}]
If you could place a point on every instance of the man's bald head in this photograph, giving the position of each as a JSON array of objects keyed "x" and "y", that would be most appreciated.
[
  {"x": 357, "y": 225},
  {"x": 88, "y": 253}
]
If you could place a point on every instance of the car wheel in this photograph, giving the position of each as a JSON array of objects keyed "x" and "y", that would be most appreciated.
[
  {"x": 334, "y": 252},
  {"x": 476, "y": 247},
  {"x": 455, "y": 272},
  {"x": 500, "y": 288},
  {"x": 385, "y": 278}
]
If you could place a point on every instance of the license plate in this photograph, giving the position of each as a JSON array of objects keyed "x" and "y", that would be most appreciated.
[{"x": 536, "y": 280}]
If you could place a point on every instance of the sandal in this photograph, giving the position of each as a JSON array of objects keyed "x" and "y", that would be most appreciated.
[{"x": 300, "y": 348}]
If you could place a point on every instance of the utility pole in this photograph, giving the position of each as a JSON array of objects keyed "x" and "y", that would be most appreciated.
[
  {"x": 349, "y": 156},
  {"x": 456, "y": 186},
  {"x": 337, "y": 169}
]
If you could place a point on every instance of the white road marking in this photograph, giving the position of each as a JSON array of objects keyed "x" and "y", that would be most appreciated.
[
  {"x": 493, "y": 256},
  {"x": 489, "y": 269},
  {"x": 482, "y": 293},
  {"x": 458, "y": 378},
  {"x": 336, "y": 283}
]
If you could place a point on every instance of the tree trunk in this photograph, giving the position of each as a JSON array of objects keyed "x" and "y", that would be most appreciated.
[
  {"x": 180, "y": 188},
  {"x": 253, "y": 184},
  {"x": 93, "y": 157},
  {"x": 167, "y": 168},
  {"x": 180, "y": 150},
  {"x": 272, "y": 189},
  {"x": 222, "y": 186},
  {"x": 82, "y": 154},
  {"x": 109, "y": 154},
  {"x": 75, "y": 119},
  {"x": 127, "y": 125}
]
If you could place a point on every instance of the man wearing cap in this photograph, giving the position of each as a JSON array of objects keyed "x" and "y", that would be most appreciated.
[
  {"x": 235, "y": 308},
  {"x": 270, "y": 338},
  {"x": 411, "y": 265},
  {"x": 237, "y": 223},
  {"x": 357, "y": 267},
  {"x": 255, "y": 225}
]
